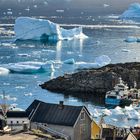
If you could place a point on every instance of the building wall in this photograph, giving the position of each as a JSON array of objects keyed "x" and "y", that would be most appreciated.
[
  {"x": 69, "y": 131},
  {"x": 82, "y": 128},
  {"x": 95, "y": 130},
  {"x": 17, "y": 123},
  {"x": 66, "y": 130}
]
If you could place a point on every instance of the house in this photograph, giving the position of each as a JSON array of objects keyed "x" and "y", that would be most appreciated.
[
  {"x": 71, "y": 121},
  {"x": 17, "y": 119},
  {"x": 130, "y": 136},
  {"x": 95, "y": 131}
]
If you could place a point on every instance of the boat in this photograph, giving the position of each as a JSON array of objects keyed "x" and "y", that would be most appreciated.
[{"x": 119, "y": 95}]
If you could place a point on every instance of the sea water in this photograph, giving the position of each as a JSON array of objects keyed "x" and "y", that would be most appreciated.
[{"x": 106, "y": 36}]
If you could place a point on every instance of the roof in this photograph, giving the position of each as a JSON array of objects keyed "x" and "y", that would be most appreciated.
[
  {"x": 17, "y": 114},
  {"x": 130, "y": 136},
  {"x": 48, "y": 113}
]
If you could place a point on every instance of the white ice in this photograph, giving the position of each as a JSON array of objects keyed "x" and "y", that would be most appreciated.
[
  {"x": 121, "y": 117},
  {"x": 132, "y": 12},
  {"x": 39, "y": 29},
  {"x": 4, "y": 71},
  {"x": 29, "y": 67},
  {"x": 69, "y": 61},
  {"x": 99, "y": 62},
  {"x": 131, "y": 39}
]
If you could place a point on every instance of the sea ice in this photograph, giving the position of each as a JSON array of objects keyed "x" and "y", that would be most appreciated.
[
  {"x": 102, "y": 60},
  {"x": 69, "y": 61},
  {"x": 41, "y": 29},
  {"x": 4, "y": 71},
  {"x": 132, "y": 12},
  {"x": 99, "y": 62},
  {"x": 29, "y": 67},
  {"x": 131, "y": 39}
]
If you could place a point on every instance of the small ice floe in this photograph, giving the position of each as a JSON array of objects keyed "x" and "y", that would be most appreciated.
[
  {"x": 4, "y": 71},
  {"x": 6, "y": 44},
  {"x": 125, "y": 50},
  {"x": 99, "y": 62},
  {"x": 60, "y": 11},
  {"x": 9, "y": 12},
  {"x": 106, "y": 5},
  {"x": 107, "y": 112},
  {"x": 28, "y": 94},
  {"x": 102, "y": 60},
  {"x": 6, "y": 84},
  {"x": 96, "y": 113},
  {"x": 27, "y": 9},
  {"x": 69, "y": 61},
  {"x": 20, "y": 87},
  {"x": 131, "y": 39},
  {"x": 35, "y": 6},
  {"x": 24, "y": 55}
]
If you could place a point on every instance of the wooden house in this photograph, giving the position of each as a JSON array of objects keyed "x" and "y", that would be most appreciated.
[
  {"x": 95, "y": 131},
  {"x": 72, "y": 122}
]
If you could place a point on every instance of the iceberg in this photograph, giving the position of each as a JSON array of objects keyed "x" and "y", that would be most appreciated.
[
  {"x": 69, "y": 61},
  {"x": 132, "y": 12},
  {"x": 4, "y": 71},
  {"x": 40, "y": 29},
  {"x": 29, "y": 67},
  {"x": 131, "y": 39},
  {"x": 100, "y": 61}
]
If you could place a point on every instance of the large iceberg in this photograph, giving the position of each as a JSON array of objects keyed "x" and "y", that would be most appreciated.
[
  {"x": 132, "y": 12},
  {"x": 30, "y": 67},
  {"x": 39, "y": 29}
]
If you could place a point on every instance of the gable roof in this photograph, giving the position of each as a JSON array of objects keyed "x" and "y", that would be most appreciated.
[
  {"x": 48, "y": 113},
  {"x": 17, "y": 114}
]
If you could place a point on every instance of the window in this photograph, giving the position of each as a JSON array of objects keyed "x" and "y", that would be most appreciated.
[
  {"x": 82, "y": 115},
  {"x": 11, "y": 122},
  {"x": 17, "y": 122},
  {"x": 82, "y": 129}
]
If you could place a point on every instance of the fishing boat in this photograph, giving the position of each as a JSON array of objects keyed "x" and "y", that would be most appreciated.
[{"x": 119, "y": 95}]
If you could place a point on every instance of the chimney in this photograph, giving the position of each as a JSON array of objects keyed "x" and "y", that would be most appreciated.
[{"x": 61, "y": 105}]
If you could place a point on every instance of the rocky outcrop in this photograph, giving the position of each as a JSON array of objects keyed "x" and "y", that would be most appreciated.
[{"x": 95, "y": 81}]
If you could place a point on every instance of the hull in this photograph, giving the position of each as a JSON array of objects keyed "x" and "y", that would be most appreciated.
[
  {"x": 117, "y": 102},
  {"x": 109, "y": 101}
]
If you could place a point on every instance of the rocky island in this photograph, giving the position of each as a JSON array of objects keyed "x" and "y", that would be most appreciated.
[{"x": 95, "y": 81}]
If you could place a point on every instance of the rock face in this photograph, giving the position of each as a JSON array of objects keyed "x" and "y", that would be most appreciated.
[{"x": 95, "y": 80}]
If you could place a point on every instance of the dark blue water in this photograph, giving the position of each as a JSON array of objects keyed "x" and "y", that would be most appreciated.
[{"x": 106, "y": 36}]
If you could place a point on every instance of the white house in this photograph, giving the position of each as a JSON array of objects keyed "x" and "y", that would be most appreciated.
[{"x": 17, "y": 119}]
